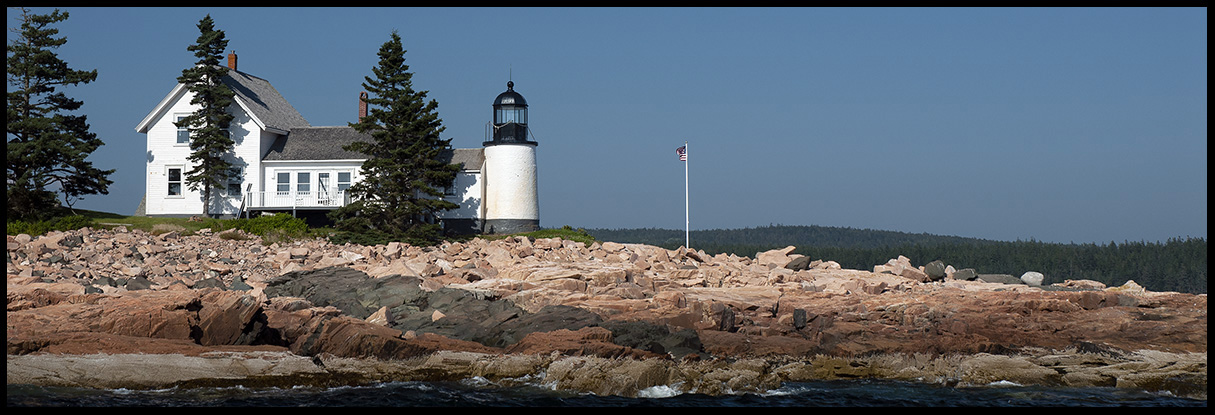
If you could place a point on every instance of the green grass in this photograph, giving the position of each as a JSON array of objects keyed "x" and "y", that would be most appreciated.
[
  {"x": 271, "y": 228},
  {"x": 565, "y": 232},
  {"x": 145, "y": 223},
  {"x": 104, "y": 220}
]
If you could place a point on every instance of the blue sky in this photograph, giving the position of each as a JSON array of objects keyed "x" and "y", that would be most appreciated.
[{"x": 1054, "y": 124}]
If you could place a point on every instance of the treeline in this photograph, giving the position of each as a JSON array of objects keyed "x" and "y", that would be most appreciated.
[{"x": 1176, "y": 265}]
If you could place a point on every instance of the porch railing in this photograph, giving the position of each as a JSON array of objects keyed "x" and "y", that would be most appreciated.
[{"x": 294, "y": 200}]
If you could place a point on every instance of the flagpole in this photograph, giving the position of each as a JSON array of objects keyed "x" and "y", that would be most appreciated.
[{"x": 686, "y": 233}]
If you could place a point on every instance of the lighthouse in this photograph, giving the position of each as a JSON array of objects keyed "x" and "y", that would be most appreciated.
[{"x": 511, "y": 203}]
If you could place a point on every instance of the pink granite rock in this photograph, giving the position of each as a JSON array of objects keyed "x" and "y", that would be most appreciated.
[{"x": 66, "y": 294}]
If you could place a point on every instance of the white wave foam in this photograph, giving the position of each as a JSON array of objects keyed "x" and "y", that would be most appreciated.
[
  {"x": 477, "y": 381},
  {"x": 1004, "y": 383},
  {"x": 658, "y": 391}
]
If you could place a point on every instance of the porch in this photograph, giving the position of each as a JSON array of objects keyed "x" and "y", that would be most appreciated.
[{"x": 292, "y": 200}]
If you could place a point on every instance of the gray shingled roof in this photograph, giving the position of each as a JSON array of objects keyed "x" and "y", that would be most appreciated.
[
  {"x": 470, "y": 158},
  {"x": 325, "y": 143},
  {"x": 264, "y": 101},
  {"x": 316, "y": 143}
]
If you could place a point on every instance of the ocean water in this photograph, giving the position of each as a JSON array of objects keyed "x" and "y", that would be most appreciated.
[{"x": 479, "y": 393}]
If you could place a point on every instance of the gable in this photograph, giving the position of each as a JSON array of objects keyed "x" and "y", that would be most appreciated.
[
  {"x": 264, "y": 105},
  {"x": 267, "y": 107}
]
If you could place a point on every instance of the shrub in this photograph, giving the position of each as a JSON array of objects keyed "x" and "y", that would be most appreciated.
[
  {"x": 263, "y": 225},
  {"x": 365, "y": 238},
  {"x": 19, "y": 227},
  {"x": 64, "y": 223},
  {"x": 73, "y": 222},
  {"x": 418, "y": 235},
  {"x": 566, "y": 232},
  {"x": 280, "y": 236}
]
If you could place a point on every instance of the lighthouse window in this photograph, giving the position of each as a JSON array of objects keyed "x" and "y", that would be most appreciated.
[{"x": 516, "y": 115}]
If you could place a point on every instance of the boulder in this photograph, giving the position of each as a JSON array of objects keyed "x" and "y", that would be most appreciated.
[
  {"x": 607, "y": 377},
  {"x": 231, "y": 318},
  {"x": 348, "y": 289},
  {"x": 1081, "y": 284},
  {"x": 210, "y": 283},
  {"x": 206, "y": 317},
  {"x": 350, "y": 337},
  {"x": 381, "y": 317},
  {"x": 586, "y": 341},
  {"x": 775, "y": 257},
  {"x": 1032, "y": 278},
  {"x": 965, "y": 274},
  {"x": 658, "y": 339},
  {"x": 799, "y": 263},
  {"x": 999, "y": 279},
  {"x": 935, "y": 270},
  {"x": 914, "y": 274},
  {"x": 136, "y": 283}
]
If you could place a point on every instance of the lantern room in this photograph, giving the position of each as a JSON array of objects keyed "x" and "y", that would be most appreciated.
[{"x": 510, "y": 118}]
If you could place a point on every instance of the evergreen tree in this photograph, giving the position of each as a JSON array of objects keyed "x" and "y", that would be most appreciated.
[
  {"x": 46, "y": 147},
  {"x": 403, "y": 177},
  {"x": 210, "y": 143}
]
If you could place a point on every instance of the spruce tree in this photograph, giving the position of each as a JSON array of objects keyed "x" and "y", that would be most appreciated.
[
  {"x": 210, "y": 142},
  {"x": 47, "y": 148},
  {"x": 403, "y": 177}
]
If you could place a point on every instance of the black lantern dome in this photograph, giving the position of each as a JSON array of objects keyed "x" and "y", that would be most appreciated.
[
  {"x": 510, "y": 118},
  {"x": 510, "y": 97}
]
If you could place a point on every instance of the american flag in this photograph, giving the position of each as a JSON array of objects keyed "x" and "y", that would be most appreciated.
[{"x": 683, "y": 153}]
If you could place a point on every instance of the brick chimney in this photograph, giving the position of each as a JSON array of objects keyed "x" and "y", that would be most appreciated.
[
  {"x": 232, "y": 60},
  {"x": 362, "y": 105}
]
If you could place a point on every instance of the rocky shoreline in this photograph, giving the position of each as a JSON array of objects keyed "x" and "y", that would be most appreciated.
[{"x": 116, "y": 308}]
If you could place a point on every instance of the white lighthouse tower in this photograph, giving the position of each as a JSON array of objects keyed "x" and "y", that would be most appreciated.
[{"x": 511, "y": 203}]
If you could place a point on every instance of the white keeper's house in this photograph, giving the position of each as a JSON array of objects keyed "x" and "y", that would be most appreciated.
[{"x": 283, "y": 164}]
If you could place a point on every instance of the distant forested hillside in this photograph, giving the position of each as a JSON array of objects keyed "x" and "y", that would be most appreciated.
[{"x": 1175, "y": 265}]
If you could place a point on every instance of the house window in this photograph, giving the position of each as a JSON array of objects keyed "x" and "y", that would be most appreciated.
[
  {"x": 343, "y": 181},
  {"x": 183, "y": 132},
  {"x": 174, "y": 181},
  {"x": 284, "y": 182},
  {"x": 235, "y": 179},
  {"x": 301, "y": 183}
]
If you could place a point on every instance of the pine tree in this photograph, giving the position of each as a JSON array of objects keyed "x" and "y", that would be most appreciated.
[
  {"x": 400, "y": 193},
  {"x": 210, "y": 143},
  {"x": 46, "y": 147}
]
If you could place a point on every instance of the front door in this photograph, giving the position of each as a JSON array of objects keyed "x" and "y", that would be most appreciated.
[{"x": 324, "y": 192}]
